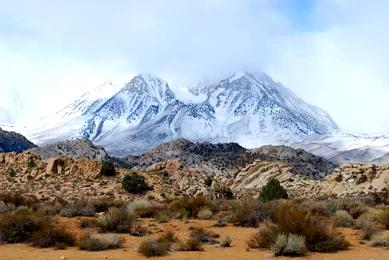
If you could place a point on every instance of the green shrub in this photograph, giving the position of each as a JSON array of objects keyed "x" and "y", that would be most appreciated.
[
  {"x": 190, "y": 245},
  {"x": 265, "y": 237},
  {"x": 221, "y": 221},
  {"x": 134, "y": 183},
  {"x": 142, "y": 208},
  {"x": 163, "y": 217},
  {"x": 272, "y": 191},
  {"x": 342, "y": 218},
  {"x": 11, "y": 172},
  {"x": 204, "y": 213},
  {"x": 116, "y": 220},
  {"x": 333, "y": 242},
  {"x": 291, "y": 245},
  {"x": 96, "y": 242},
  {"x": 153, "y": 247},
  {"x": 280, "y": 244},
  {"x": 53, "y": 236},
  {"x": 30, "y": 162},
  {"x": 380, "y": 240},
  {"x": 107, "y": 169},
  {"x": 208, "y": 181},
  {"x": 226, "y": 242}
]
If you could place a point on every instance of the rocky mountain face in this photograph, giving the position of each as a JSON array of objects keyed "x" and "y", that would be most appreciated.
[
  {"x": 250, "y": 109},
  {"x": 78, "y": 148},
  {"x": 226, "y": 160},
  {"x": 14, "y": 142}
]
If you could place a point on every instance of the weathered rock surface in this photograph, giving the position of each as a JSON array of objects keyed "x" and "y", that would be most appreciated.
[
  {"x": 77, "y": 148},
  {"x": 226, "y": 160}
]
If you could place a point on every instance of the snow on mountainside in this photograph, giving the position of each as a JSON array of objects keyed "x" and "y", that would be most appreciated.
[
  {"x": 345, "y": 147},
  {"x": 250, "y": 109}
]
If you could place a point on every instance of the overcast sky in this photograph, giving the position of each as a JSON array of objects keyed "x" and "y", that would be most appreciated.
[{"x": 332, "y": 53}]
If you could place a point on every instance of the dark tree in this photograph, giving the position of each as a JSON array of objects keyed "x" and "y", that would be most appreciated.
[
  {"x": 135, "y": 183},
  {"x": 208, "y": 181},
  {"x": 107, "y": 169},
  {"x": 272, "y": 191}
]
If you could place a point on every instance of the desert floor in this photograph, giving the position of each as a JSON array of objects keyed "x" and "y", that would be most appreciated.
[{"x": 237, "y": 251}]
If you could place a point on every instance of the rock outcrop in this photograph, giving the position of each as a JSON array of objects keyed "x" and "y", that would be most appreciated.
[
  {"x": 226, "y": 160},
  {"x": 78, "y": 148}
]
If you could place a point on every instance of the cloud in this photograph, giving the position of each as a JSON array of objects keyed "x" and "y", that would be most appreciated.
[{"x": 333, "y": 53}]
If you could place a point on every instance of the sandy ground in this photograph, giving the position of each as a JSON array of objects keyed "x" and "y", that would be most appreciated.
[{"x": 237, "y": 251}]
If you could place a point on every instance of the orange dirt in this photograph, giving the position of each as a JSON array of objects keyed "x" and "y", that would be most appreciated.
[{"x": 237, "y": 251}]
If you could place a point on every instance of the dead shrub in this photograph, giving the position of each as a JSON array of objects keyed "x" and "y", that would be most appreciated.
[
  {"x": 190, "y": 245},
  {"x": 190, "y": 205},
  {"x": 138, "y": 230},
  {"x": 18, "y": 226},
  {"x": 94, "y": 242},
  {"x": 265, "y": 237},
  {"x": 88, "y": 223},
  {"x": 168, "y": 236},
  {"x": 53, "y": 236},
  {"x": 153, "y": 247},
  {"x": 293, "y": 219},
  {"x": 202, "y": 235},
  {"x": 249, "y": 212}
]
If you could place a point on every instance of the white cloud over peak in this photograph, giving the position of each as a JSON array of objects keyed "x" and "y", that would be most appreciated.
[{"x": 334, "y": 56}]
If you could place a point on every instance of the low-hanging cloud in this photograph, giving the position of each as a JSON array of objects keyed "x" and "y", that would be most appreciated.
[{"x": 334, "y": 54}]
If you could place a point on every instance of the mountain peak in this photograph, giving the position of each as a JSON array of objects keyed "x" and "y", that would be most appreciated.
[{"x": 150, "y": 84}]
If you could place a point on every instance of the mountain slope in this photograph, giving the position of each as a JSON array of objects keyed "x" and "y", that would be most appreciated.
[
  {"x": 13, "y": 142},
  {"x": 249, "y": 106},
  {"x": 345, "y": 147},
  {"x": 249, "y": 109}
]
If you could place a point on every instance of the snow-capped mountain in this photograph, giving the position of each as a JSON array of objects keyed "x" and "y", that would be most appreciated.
[
  {"x": 247, "y": 108},
  {"x": 254, "y": 107}
]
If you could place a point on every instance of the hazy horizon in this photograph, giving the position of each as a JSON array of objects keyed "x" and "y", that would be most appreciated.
[{"x": 331, "y": 53}]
